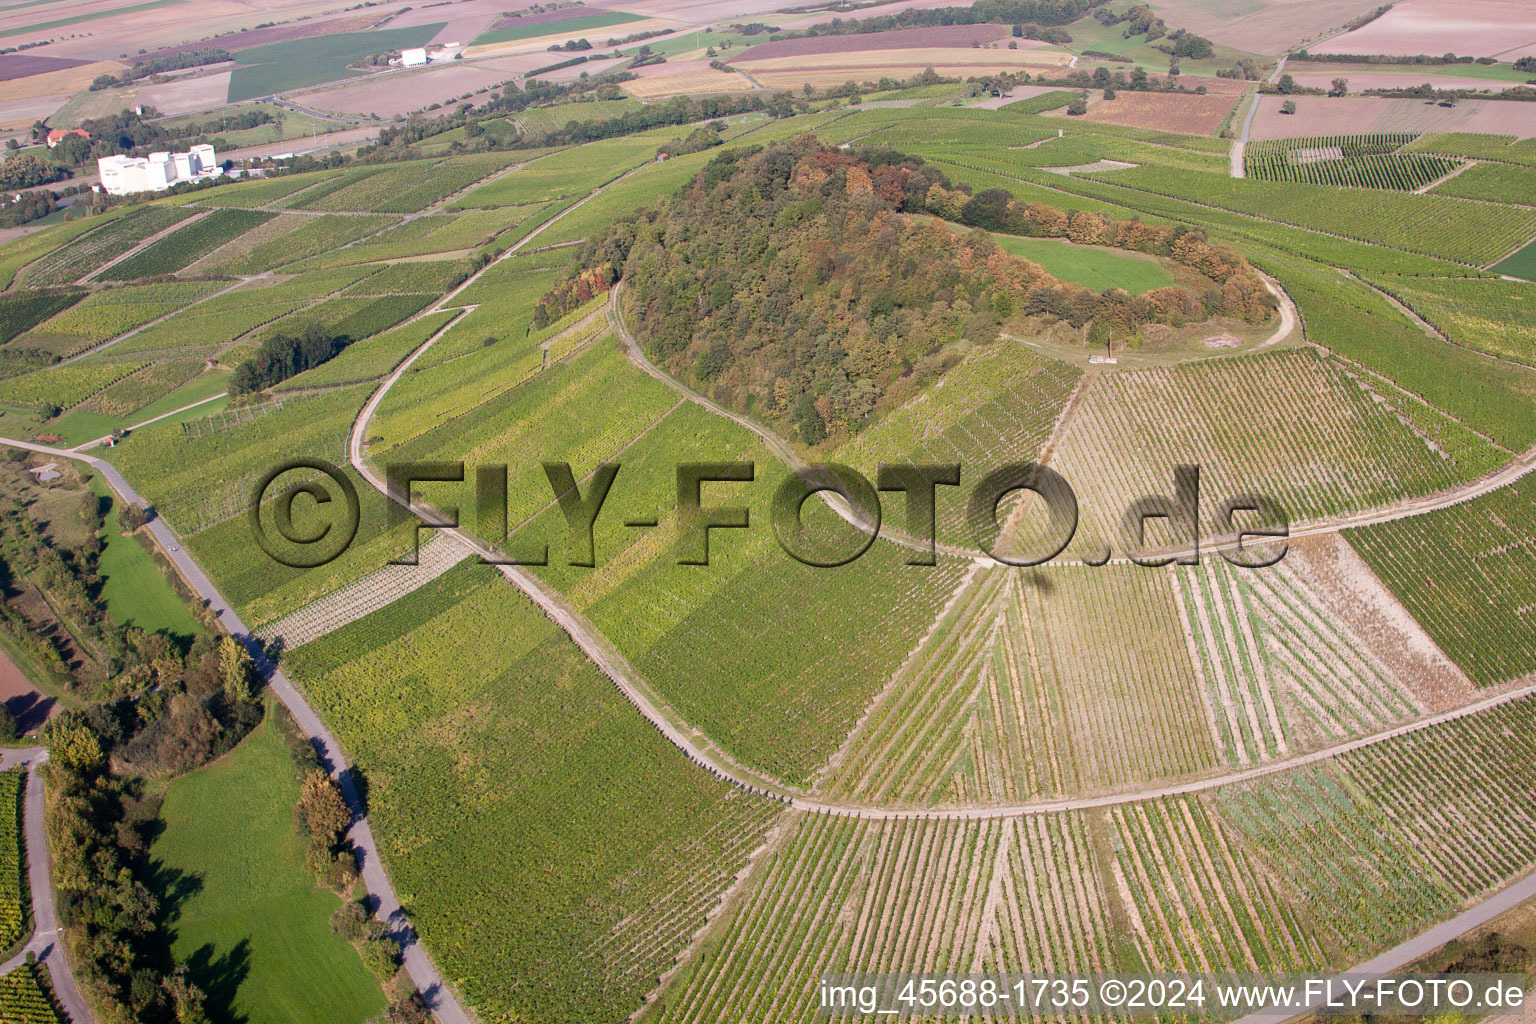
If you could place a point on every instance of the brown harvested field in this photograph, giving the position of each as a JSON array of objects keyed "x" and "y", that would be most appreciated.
[
  {"x": 1186, "y": 113},
  {"x": 395, "y": 94},
  {"x": 1019, "y": 93},
  {"x": 519, "y": 63},
  {"x": 897, "y": 7},
  {"x": 1380, "y": 80},
  {"x": 1479, "y": 28},
  {"x": 1265, "y": 26},
  {"x": 26, "y": 703},
  {"x": 275, "y": 34},
  {"x": 1218, "y": 86},
  {"x": 50, "y": 83},
  {"x": 112, "y": 36},
  {"x": 936, "y": 57},
  {"x": 671, "y": 67},
  {"x": 20, "y": 113},
  {"x": 519, "y": 19},
  {"x": 1354, "y": 115},
  {"x": 838, "y": 76},
  {"x": 938, "y": 35},
  {"x": 463, "y": 20},
  {"x": 544, "y": 42},
  {"x": 21, "y": 65},
  {"x": 184, "y": 94},
  {"x": 687, "y": 83},
  {"x": 575, "y": 71}
]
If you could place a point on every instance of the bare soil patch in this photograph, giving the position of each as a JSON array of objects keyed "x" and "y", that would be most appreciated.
[
  {"x": 687, "y": 83},
  {"x": 1266, "y": 26},
  {"x": 21, "y": 65},
  {"x": 1186, "y": 113},
  {"x": 1359, "y": 601},
  {"x": 73, "y": 78},
  {"x": 937, "y": 35},
  {"x": 1395, "y": 80},
  {"x": 1355, "y": 115},
  {"x": 1479, "y": 28},
  {"x": 186, "y": 94},
  {"x": 918, "y": 57},
  {"x": 20, "y": 113},
  {"x": 396, "y": 94},
  {"x": 26, "y": 703}
]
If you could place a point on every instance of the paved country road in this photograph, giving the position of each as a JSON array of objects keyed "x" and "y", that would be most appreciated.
[{"x": 44, "y": 943}]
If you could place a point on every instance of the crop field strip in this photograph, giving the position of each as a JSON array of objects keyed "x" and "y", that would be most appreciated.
[
  {"x": 1353, "y": 161},
  {"x": 1011, "y": 696},
  {"x": 1502, "y": 148},
  {"x": 202, "y": 485},
  {"x": 180, "y": 248},
  {"x": 108, "y": 314},
  {"x": 1464, "y": 573},
  {"x": 1288, "y": 424},
  {"x": 14, "y": 902},
  {"x": 1490, "y": 396},
  {"x": 1291, "y": 872},
  {"x": 306, "y": 237},
  {"x": 1496, "y": 317},
  {"x": 1492, "y": 182},
  {"x": 102, "y": 244},
  {"x": 658, "y": 841},
  {"x": 713, "y": 641},
  {"x": 207, "y": 328},
  {"x": 1463, "y": 230},
  {"x": 24, "y": 997},
  {"x": 408, "y": 188},
  {"x": 24, "y": 310},
  {"x": 1001, "y": 706},
  {"x": 996, "y": 407},
  {"x": 1279, "y": 674}
]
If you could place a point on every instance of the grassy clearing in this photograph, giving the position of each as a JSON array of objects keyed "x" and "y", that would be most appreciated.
[
  {"x": 1093, "y": 267},
  {"x": 249, "y": 920},
  {"x": 133, "y": 586}
]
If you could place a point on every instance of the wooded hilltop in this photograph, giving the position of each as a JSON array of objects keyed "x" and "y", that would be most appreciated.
[{"x": 790, "y": 282}]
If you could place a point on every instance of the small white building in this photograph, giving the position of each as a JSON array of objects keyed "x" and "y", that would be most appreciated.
[
  {"x": 125, "y": 175},
  {"x": 414, "y": 58}
]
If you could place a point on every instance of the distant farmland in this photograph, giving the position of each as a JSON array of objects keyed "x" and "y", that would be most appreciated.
[
  {"x": 295, "y": 63},
  {"x": 535, "y": 29}
]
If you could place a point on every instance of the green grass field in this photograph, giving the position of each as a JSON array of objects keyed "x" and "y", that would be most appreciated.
[
  {"x": 134, "y": 589},
  {"x": 1522, "y": 264},
  {"x": 248, "y": 918},
  {"x": 1090, "y": 266}
]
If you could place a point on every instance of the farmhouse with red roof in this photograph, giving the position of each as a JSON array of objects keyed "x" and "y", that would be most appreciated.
[{"x": 58, "y": 135}]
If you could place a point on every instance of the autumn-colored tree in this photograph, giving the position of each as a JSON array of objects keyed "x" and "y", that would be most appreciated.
[
  {"x": 322, "y": 812},
  {"x": 237, "y": 670}
]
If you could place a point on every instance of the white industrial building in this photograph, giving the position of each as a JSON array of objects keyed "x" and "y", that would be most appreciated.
[
  {"x": 414, "y": 58},
  {"x": 125, "y": 175}
]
